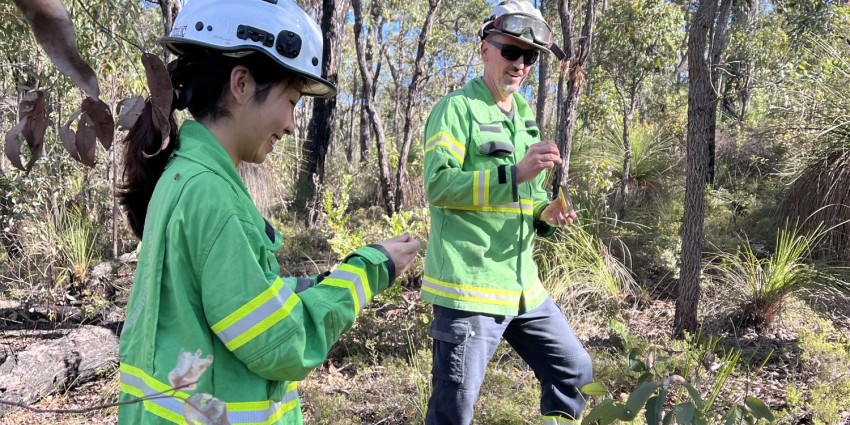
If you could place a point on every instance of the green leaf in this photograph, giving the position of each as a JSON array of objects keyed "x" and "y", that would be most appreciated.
[
  {"x": 695, "y": 396},
  {"x": 594, "y": 389},
  {"x": 612, "y": 414},
  {"x": 635, "y": 365},
  {"x": 685, "y": 412},
  {"x": 599, "y": 411},
  {"x": 653, "y": 411},
  {"x": 733, "y": 416},
  {"x": 759, "y": 409},
  {"x": 645, "y": 377},
  {"x": 637, "y": 400}
]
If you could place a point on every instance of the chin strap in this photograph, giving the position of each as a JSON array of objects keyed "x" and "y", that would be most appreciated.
[{"x": 557, "y": 52}]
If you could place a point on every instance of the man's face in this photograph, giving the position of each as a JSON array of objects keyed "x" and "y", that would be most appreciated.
[{"x": 505, "y": 75}]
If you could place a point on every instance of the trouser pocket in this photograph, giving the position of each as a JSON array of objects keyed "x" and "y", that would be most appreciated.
[{"x": 450, "y": 338}]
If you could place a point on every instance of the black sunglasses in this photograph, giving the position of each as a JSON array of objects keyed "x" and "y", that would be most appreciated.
[{"x": 512, "y": 52}]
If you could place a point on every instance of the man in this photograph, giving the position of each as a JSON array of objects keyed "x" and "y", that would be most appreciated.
[{"x": 483, "y": 180}]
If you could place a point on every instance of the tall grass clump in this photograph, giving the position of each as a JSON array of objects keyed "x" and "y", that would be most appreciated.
[
  {"x": 768, "y": 282},
  {"x": 577, "y": 267},
  {"x": 77, "y": 237},
  {"x": 653, "y": 161}
]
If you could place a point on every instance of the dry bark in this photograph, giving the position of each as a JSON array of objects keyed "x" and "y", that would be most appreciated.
[{"x": 62, "y": 360}]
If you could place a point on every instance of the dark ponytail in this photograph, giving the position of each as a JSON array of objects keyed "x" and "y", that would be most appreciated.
[
  {"x": 142, "y": 171},
  {"x": 200, "y": 78}
]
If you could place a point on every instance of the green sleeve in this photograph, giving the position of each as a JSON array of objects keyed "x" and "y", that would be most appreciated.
[
  {"x": 447, "y": 183},
  {"x": 280, "y": 334}
]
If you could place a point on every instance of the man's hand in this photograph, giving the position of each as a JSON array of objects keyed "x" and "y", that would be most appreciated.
[
  {"x": 555, "y": 214},
  {"x": 402, "y": 249},
  {"x": 540, "y": 156}
]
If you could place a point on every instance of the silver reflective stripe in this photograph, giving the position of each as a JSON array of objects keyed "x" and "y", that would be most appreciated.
[
  {"x": 259, "y": 314},
  {"x": 482, "y": 181},
  {"x": 254, "y": 416},
  {"x": 355, "y": 279},
  {"x": 176, "y": 405},
  {"x": 166, "y": 402},
  {"x": 468, "y": 293},
  {"x": 521, "y": 206}
]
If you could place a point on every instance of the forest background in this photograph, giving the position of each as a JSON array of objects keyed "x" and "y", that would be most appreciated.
[{"x": 707, "y": 156}]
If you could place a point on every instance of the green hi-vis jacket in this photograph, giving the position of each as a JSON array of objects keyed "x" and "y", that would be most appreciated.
[
  {"x": 483, "y": 223},
  {"x": 208, "y": 280}
]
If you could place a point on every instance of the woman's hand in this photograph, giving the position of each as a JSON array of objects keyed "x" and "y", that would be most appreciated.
[{"x": 402, "y": 250}]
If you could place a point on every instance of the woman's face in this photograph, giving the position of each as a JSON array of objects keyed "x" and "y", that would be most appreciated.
[{"x": 265, "y": 122}]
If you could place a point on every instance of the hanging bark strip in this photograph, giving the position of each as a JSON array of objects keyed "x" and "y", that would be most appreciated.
[{"x": 570, "y": 85}]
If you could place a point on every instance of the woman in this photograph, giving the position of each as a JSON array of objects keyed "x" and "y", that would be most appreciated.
[{"x": 207, "y": 285}]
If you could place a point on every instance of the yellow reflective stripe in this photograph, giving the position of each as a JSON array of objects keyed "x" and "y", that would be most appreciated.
[
  {"x": 469, "y": 293},
  {"x": 535, "y": 292},
  {"x": 150, "y": 381},
  {"x": 476, "y": 189},
  {"x": 446, "y": 140},
  {"x": 525, "y": 207},
  {"x": 256, "y": 316},
  {"x": 486, "y": 188},
  {"x": 169, "y": 405},
  {"x": 558, "y": 420}
]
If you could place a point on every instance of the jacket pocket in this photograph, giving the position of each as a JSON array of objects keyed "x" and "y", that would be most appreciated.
[{"x": 449, "y": 342}]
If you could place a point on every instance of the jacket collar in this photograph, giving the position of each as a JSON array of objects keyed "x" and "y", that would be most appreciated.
[
  {"x": 486, "y": 111},
  {"x": 197, "y": 144}
]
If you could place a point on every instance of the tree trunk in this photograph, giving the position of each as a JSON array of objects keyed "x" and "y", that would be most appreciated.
[
  {"x": 570, "y": 86},
  {"x": 57, "y": 364},
  {"x": 542, "y": 82},
  {"x": 718, "y": 40},
  {"x": 169, "y": 10},
  {"x": 702, "y": 114},
  {"x": 627, "y": 153},
  {"x": 369, "y": 105},
  {"x": 321, "y": 129},
  {"x": 412, "y": 93}
]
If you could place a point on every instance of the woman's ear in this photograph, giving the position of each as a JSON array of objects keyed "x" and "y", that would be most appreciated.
[{"x": 242, "y": 85}]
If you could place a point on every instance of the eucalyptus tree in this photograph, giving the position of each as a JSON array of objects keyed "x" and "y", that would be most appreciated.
[
  {"x": 709, "y": 21},
  {"x": 428, "y": 51},
  {"x": 85, "y": 36},
  {"x": 320, "y": 133},
  {"x": 572, "y": 77},
  {"x": 411, "y": 109},
  {"x": 636, "y": 40},
  {"x": 368, "y": 103}
]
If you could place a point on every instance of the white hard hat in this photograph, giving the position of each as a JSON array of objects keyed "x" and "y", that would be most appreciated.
[
  {"x": 278, "y": 28},
  {"x": 520, "y": 20}
]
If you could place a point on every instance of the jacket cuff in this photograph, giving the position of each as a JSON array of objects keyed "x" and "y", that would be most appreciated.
[
  {"x": 542, "y": 228},
  {"x": 389, "y": 262}
]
